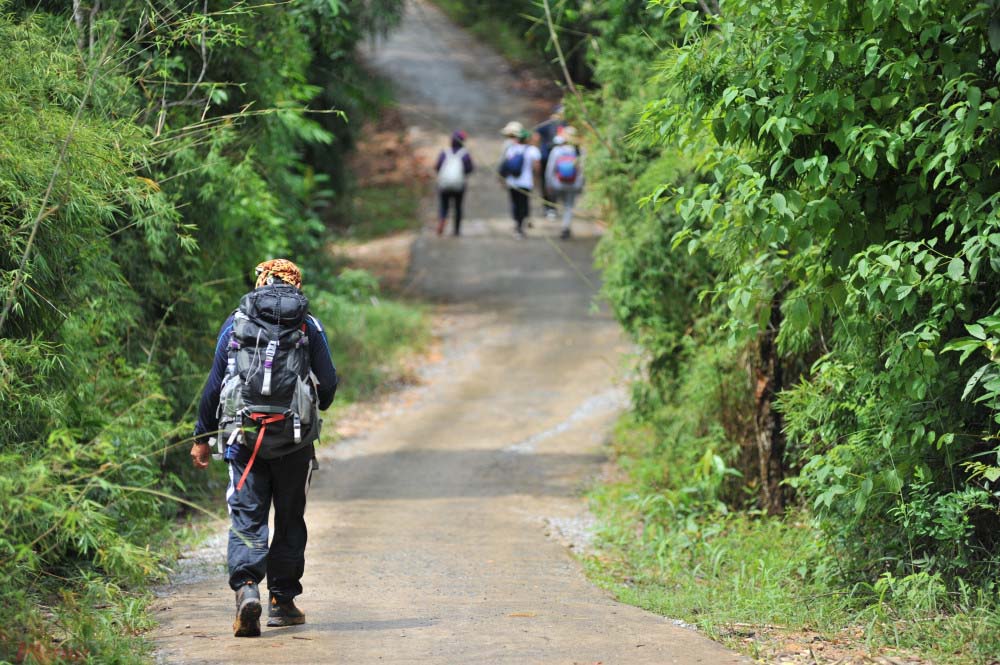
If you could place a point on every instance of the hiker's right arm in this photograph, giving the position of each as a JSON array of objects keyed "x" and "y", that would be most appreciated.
[{"x": 208, "y": 417}]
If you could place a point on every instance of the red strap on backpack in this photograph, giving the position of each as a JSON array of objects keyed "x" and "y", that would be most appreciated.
[{"x": 262, "y": 420}]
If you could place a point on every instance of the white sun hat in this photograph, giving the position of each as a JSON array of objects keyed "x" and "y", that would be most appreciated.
[{"x": 512, "y": 128}]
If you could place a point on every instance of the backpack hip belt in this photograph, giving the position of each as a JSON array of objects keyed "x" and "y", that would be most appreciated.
[{"x": 262, "y": 420}]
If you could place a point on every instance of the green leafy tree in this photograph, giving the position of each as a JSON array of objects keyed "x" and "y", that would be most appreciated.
[{"x": 848, "y": 200}]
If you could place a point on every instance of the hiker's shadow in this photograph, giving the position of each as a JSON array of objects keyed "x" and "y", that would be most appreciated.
[{"x": 349, "y": 626}]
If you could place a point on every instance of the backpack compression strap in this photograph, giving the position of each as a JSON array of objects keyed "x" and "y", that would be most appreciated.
[
  {"x": 262, "y": 420},
  {"x": 269, "y": 353}
]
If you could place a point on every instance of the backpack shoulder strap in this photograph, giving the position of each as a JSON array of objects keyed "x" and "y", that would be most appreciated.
[{"x": 315, "y": 322}]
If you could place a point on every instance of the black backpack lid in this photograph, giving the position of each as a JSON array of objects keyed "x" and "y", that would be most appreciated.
[{"x": 278, "y": 304}]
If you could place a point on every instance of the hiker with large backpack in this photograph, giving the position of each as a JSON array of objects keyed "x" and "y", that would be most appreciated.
[
  {"x": 271, "y": 376},
  {"x": 564, "y": 175},
  {"x": 519, "y": 164},
  {"x": 453, "y": 168}
]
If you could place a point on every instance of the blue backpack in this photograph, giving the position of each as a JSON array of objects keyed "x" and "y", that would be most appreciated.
[
  {"x": 512, "y": 164},
  {"x": 566, "y": 169}
]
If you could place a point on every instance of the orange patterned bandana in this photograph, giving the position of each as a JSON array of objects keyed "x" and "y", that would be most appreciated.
[{"x": 283, "y": 269}]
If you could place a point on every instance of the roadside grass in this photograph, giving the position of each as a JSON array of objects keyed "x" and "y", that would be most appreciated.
[
  {"x": 370, "y": 335},
  {"x": 367, "y": 212},
  {"x": 763, "y": 586},
  {"x": 96, "y": 622}
]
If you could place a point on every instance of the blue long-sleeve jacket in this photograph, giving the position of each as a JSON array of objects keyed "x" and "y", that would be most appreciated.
[{"x": 322, "y": 367}]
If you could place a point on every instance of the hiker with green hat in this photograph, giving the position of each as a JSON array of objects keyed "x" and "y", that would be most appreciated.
[{"x": 520, "y": 163}]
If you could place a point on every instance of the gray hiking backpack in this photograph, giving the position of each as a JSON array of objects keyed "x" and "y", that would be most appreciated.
[{"x": 269, "y": 389}]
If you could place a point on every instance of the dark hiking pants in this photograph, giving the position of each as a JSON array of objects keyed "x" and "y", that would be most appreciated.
[
  {"x": 518, "y": 206},
  {"x": 548, "y": 196},
  {"x": 285, "y": 483},
  {"x": 445, "y": 199}
]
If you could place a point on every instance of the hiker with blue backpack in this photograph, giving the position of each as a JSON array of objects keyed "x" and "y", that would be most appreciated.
[
  {"x": 564, "y": 175},
  {"x": 271, "y": 376},
  {"x": 519, "y": 164},
  {"x": 453, "y": 168}
]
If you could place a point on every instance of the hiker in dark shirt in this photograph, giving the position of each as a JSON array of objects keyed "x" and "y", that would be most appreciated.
[
  {"x": 547, "y": 132},
  {"x": 271, "y": 374},
  {"x": 453, "y": 168}
]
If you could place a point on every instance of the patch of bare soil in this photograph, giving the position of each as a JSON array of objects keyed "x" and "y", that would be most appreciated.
[
  {"x": 384, "y": 153},
  {"x": 775, "y": 644},
  {"x": 384, "y": 157}
]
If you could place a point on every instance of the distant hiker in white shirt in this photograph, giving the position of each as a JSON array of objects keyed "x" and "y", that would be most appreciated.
[
  {"x": 564, "y": 175},
  {"x": 453, "y": 168},
  {"x": 519, "y": 164}
]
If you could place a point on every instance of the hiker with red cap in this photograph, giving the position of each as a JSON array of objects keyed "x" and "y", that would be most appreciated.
[
  {"x": 453, "y": 168},
  {"x": 271, "y": 376}
]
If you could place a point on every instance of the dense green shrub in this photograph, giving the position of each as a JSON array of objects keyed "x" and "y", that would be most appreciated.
[{"x": 850, "y": 183}]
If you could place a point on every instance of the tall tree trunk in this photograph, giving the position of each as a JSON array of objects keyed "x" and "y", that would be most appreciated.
[{"x": 769, "y": 435}]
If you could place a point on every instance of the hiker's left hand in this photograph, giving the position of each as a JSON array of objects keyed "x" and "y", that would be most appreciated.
[{"x": 201, "y": 454}]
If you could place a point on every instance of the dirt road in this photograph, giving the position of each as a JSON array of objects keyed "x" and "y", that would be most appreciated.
[{"x": 435, "y": 538}]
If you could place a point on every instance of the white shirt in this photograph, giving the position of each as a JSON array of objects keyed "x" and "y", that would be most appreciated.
[{"x": 531, "y": 155}]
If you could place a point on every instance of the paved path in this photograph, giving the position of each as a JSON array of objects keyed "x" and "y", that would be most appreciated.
[{"x": 431, "y": 539}]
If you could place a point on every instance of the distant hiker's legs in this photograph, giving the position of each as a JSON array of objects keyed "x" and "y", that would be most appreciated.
[
  {"x": 518, "y": 207},
  {"x": 290, "y": 478},
  {"x": 568, "y": 201},
  {"x": 548, "y": 196},
  {"x": 443, "y": 198},
  {"x": 248, "y": 508},
  {"x": 459, "y": 195}
]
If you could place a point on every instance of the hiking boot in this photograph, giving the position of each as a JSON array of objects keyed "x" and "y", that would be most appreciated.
[
  {"x": 564, "y": 235},
  {"x": 248, "y": 609},
  {"x": 284, "y": 614}
]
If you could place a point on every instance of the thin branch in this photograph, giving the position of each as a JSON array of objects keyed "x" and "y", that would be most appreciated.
[
  {"x": 90, "y": 36},
  {"x": 78, "y": 19},
  {"x": 204, "y": 60},
  {"x": 569, "y": 79}
]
